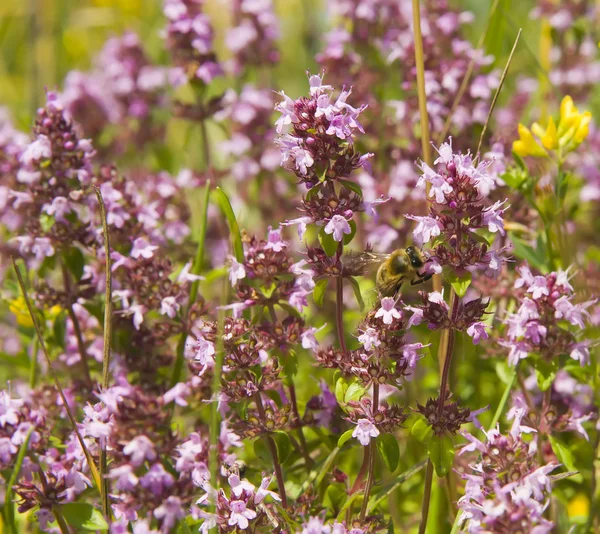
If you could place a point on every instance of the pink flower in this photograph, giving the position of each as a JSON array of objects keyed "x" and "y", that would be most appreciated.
[
  {"x": 140, "y": 449},
  {"x": 170, "y": 511},
  {"x": 263, "y": 491},
  {"x": 240, "y": 515},
  {"x": 364, "y": 431},
  {"x": 388, "y": 311},
  {"x": 39, "y": 149},
  {"x": 478, "y": 332},
  {"x": 338, "y": 226},
  {"x": 125, "y": 477},
  {"x": 142, "y": 249},
  {"x": 439, "y": 187},
  {"x": 426, "y": 228}
]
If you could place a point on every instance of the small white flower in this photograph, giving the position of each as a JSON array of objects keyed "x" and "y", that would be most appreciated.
[
  {"x": 369, "y": 338},
  {"x": 364, "y": 431},
  {"x": 169, "y": 307},
  {"x": 236, "y": 272}
]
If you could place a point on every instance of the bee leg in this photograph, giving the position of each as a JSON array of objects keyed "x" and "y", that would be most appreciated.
[{"x": 421, "y": 279}]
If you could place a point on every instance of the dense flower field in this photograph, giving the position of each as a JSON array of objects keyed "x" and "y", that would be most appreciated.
[{"x": 313, "y": 268}]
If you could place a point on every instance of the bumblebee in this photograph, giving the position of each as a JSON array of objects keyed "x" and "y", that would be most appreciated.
[{"x": 394, "y": 269}]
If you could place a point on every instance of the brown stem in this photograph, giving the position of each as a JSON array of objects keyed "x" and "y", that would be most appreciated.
[
  {"x": 76, "y": 327},
  {"x": 294, "y": 403},
  {"x": 339, "y": 312},
  {"x": 273, "y": 452},
  {"x": 303, "y": 444},
  {"x": 371, "y": 473}
]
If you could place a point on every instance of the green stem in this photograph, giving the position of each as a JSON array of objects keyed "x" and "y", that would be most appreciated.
[
  {"x": 60, "y": 520},
  {"x": 371, "y": 472},
  {"x": 426, "y": 497},
  {"x": 441, "y": 401},
  {"x": 107, "y": 340},
  {"x": 274, "y": 455},
  {"x": 504, "y": 399},
  {"x": 33, "y": 368},
  {"x": 213, "y": 459}
]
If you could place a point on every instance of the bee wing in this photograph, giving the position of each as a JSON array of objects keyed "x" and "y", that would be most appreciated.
[
  {"x": 361, "y": 263},
  {"x": 390, "y": 286}
]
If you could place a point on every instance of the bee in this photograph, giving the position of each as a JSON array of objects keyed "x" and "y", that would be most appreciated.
[{"x": 394, "y": 269}]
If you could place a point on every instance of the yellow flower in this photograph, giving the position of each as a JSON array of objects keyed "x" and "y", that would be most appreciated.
[
  {"x": 527, "y": 145},
  {"x": 18, "y": 308},
  {"x": 568, "y": 114},
  {"x": 579, "y": 506},
  {"x": 584, "y": 127},
  {"x": 548, "y": 136},
  {"x": 573, "y": 126}
]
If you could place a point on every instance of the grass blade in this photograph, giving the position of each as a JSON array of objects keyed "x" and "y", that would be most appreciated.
[
  {"x": 104, "y": 489},
  {"x": 86, "y": 452},
  {"x": 222, "y": 201},
  {"x": 9, "y": 509}
]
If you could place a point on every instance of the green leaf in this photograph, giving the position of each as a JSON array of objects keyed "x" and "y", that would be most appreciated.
[
  {"x": 81, "y": 515},
  {"x": 441, "y": 454},
  {"x": 354, "y": 392},
  {"x": 261, "y": 449},
  {"x": 461, "y": 283},
  {"x": 349, "y": 502},
  {"x": 9, "y": 509},
  {"x": 290, "y": 364},
  {"x": 434, "y": 341},
  {"x": 349, "y": 237},
  {"x": 319, "y": 291},
  {"x": 545, "y": 373},
  {"x": 284, "y": 445},
  {"x": 344, "y": 438},
  {"x": 352, "y": 186},
  {"x": 388, "y": 448},
  {"x": 565, "y": 457},
  {"x": 421, "y": 430},
  {"x": 519, "y": 161},
  {"x": 336, "y": 494},
  {"x": 46, "y": 222},
  {"x": 341, "y": 387},
  {"x": 59, "y": 328},
  {"x": 329, "y": 244},
  {"x": 75, "y": 261},
  {"x": 356, "y": 287},
  {"x": 222, "y": 201},
  {"x": 535, "y": 257}
]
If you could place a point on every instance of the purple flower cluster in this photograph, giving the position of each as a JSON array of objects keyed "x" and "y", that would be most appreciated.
[
  {"x": 437, "y": 314},
  {"x": 507, "y": 490},
  {"x": 575, "y": 68},
  {"x": 246, "y": 507},
  {"x": 49, "y": 197},
  {"x": 457, "y": 192},
  {"x": 317, "y": 133},
  {"x": 250, "y": 143},
  {"x": 122, "y": 89},
  {"x": 189, "y": 38},
  {"x": 544, "y": 323},
  {"x": 252, "y": 39}
]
